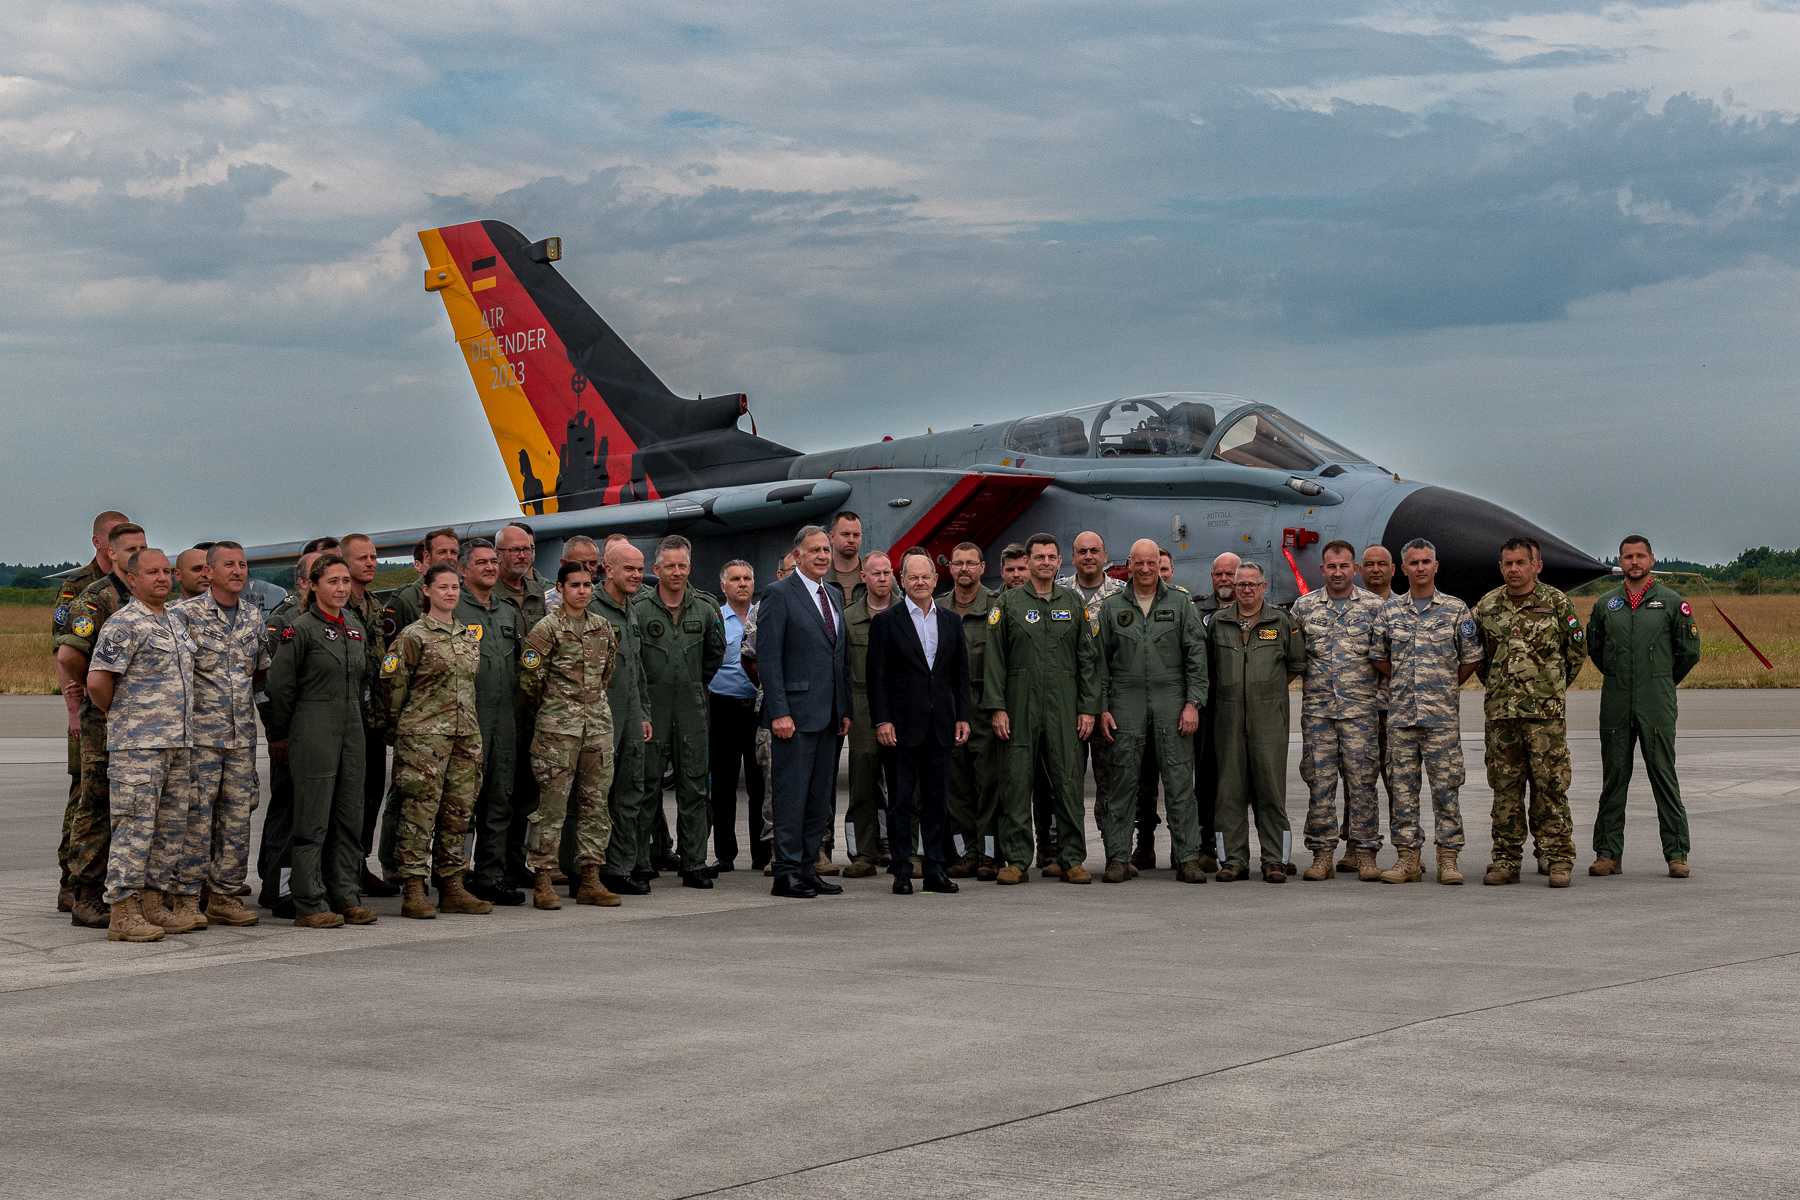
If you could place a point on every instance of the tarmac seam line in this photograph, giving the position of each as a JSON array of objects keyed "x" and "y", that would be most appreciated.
[{"x": 1217, "y": 1071}]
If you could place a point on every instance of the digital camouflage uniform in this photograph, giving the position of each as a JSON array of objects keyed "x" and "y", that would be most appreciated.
[
  {"x": 1338, "y": 716},
  {"x": 229, "y": 651},
  {"x": 501, "y": 639},
  {"x": 320, "y": 685},
  {"x": 681, "y": 652},
  {"x": 1250, "y": 661},
  {"x": 72, "y": 587},
  {"x": 1042, "y": 670},
  {"x": 565, "y": 670},
  {"x": 872, "y": 767},
  {"x": 1644, "y": 652},
  {"x": 149, "y": 730},
  {"x": 1095, "y": 749},
  {"x": 272, "y": 853},
  {"x": 975, "y": 765},
  {"x": 90, "y": 826},
  {"x": 1150, "y": 666},
  {"x": 1425, "y": 651},
  {"x": 1532, "y": 650},
  {"x": 628, "y": 696},
  {"x": 428, "y": 675}
]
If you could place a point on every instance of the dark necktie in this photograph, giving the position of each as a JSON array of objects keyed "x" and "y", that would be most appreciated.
[{"x": 825, "y": 611}]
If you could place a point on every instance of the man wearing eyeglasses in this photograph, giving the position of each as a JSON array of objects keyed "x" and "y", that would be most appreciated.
[
  {"x": 1254, "y": 650},
  {"x": 521, "y": 586}
]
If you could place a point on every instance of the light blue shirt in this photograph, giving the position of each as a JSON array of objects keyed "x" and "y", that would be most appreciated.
[
  {"x": 730, "y": 679},
  {"x": 925, "y": 625}
]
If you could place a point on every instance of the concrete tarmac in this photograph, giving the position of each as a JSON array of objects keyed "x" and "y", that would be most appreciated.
[{"x": 1634, "y": 1036}]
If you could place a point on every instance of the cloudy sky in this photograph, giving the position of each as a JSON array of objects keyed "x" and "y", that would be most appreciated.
[{"x": 1547, "y": 251}]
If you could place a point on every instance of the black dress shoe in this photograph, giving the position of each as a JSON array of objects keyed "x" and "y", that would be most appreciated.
[
  {"x": 666, "y": 862},
  {"x": 903, "y": 887},
  {"x": 283, "y": 909},
  {"x": 375, "y": 885},
  {"x": 697, "y": 879},
  {"x": 940, "y": 885},
  {"x": 496, "y": 893},
  {"x": 711, "y": 872},
  {"x": 825, "y": 887},
  {"x": 624, "y": 886},
  {"x": 793, "y": 887}
]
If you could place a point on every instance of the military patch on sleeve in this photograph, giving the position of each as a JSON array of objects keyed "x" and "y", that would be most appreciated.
[
  {"x": 390, "y": 664},
  {"x": 1693, "y": 630},
  {"x": 1467, "y": 628},
  {"x": 474, "y": 631},
  {"x": 531, "y": 660},
  {"x": 287, "y": 634},
  {"x": 390, "y": 625},
  {"x": 994, "y": 615},
  {"x": 1687, "y": 610},
  {"x": 83, "y": 626},
  {"x": 61, "y": 615},
  {"x": 1267, "y": 635}
]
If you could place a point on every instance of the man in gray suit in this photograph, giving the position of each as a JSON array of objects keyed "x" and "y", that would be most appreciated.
[{"x": 805, "y": 671}]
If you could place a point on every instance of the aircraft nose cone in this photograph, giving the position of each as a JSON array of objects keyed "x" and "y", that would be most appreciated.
[{"x": 1467, "y": 532}]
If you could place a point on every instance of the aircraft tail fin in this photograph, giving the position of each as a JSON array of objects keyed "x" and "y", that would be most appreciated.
[{"x": 572, "y": 407}]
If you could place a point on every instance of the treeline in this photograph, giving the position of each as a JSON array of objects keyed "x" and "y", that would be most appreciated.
[
  {"x": 1755, "y": 570},
  {"x": 18, "y": 575}
]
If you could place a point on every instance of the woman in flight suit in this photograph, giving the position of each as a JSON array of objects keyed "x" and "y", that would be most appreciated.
[{"x": 318, "y": 684}]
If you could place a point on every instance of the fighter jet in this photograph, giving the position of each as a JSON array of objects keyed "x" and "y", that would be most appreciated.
[{"x": 595, "y": 443}]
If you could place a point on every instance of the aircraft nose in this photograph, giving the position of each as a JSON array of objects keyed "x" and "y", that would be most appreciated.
[{"x": 1468, "y": 531}]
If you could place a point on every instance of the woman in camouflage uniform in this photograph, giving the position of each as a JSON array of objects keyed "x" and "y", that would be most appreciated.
[
  {"x": 565, "y": 669},
  {"x": 429, "y": 677}
]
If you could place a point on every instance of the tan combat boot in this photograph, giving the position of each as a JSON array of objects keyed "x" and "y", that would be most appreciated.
[
  {"x": 319, "y": 920},
  {"x": 1606, "y": 866},
  {"x": 126, "y": 922},
  {"x": 1446, "y": 868},
  {"x": 1051, "y": 871},
  {"x": 1115, "y": 872},
  {"x": 543, "y": 892},
  {"x": 229, "y": 910},
  {"x": 1191, "y": 871},
  {"x": 150, "y": 903},
  {"x": 592, "y": 891},
  {"x": 65, "y": 899},
  {"x": 825, "y": 866},
  {"x": 1010, "y": 874},
  {"x": 1678, "y": 868},
  {"x": 1367, "y": 868},
  {"x": 415, "y": 901},
  {"x": 1406, "y": 868},
  {"x": 859, "y": 868},
  {"x": 1499, "y": 873},
  {"x": 1321, "y": 866},
  {"x": 188, "y": 908},
  {"x": 1077, "y": 874},
  {"x": 1347, "y": 864},
  {"x": 1561, "y": 874},
  {"x": 453, "y": 897}
]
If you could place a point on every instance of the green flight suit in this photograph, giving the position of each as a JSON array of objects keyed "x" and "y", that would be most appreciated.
[
  {"x": 372, "y": 612},
  {"x": 1043, "y": 671},
  {"x": 1250, "y": 663},
  {"x": 530, "y": 599},
  {"x": 496, "y": 708},
  {"x": 628, "y": 696},
  {"x": 681, "y": 650},
  {"x": 1644, "y": 653},
  {"x": 1151, "y": 666},
  {"x": 319, "y": 686},
  {"x": 974, "y": 765},
  {"x": 871, "y": 766}
]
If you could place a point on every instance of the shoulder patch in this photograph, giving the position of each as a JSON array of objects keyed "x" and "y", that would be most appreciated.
[
  {"x": 390, "y": 664},
  {"x": 83, "y": 626},
  {"x": 994, "y": 615},
  {"x": 61, "y": 614},
  {"x": 287, "y": 633},
  {"x": 1687, "y": 610},
  {"x": 1467, "y": 628},
  {"x": 531, "y": 660},
  {"x": 474, "y": 631},
  {"x": 1574, "y": 621}
]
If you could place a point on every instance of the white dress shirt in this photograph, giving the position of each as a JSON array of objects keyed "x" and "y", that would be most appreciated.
[{"x": 925, "y": 624}]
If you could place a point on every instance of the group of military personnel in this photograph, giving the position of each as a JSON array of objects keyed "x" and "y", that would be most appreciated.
[{"x": 534, "y": 726}]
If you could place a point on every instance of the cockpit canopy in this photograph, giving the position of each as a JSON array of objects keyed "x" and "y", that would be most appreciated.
[{"x": 1180, "y": 425}]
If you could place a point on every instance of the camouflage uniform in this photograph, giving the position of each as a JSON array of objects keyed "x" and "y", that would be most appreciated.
[
  {"x": 533, "y": 600},
  {"x": 1338, "y": 715},
  {"x": 1250, "y": 661},
  {"x": 278, "y": 822},
  {"x": 681, "y": 652},
  {"x": 90, "y": 827},
  {"x": 1532, "y": 650},
  {"x": 1425, "y": 650},
  {"x": 229, "y": 652},
  {"x": 1042, "y": 671},
  {"x": 974, "y": 765},
  {"x": 72, "y": 587},
  {"x": 429, "y": 678},
  {"x": 565, "y": 670},
  {"x": 1151, "y": 667},
  {"x": 1095, "y": 748},
  {"x": 628, "y": 696},
  {"x": 149, "y": 731},
  {"x": 872, "y": 766},
  {"x": 320, "y": 685}
]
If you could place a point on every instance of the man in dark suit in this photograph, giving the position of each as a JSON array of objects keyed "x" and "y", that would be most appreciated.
[
  {"x": 918, "y": 679},
  {"x": 805, "y": 672}
]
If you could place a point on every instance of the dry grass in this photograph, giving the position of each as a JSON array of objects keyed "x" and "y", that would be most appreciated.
[{"x": 1773, "y": 623}]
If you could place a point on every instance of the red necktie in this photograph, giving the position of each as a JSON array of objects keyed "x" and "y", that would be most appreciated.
[{"x": 825, "y": 611}]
